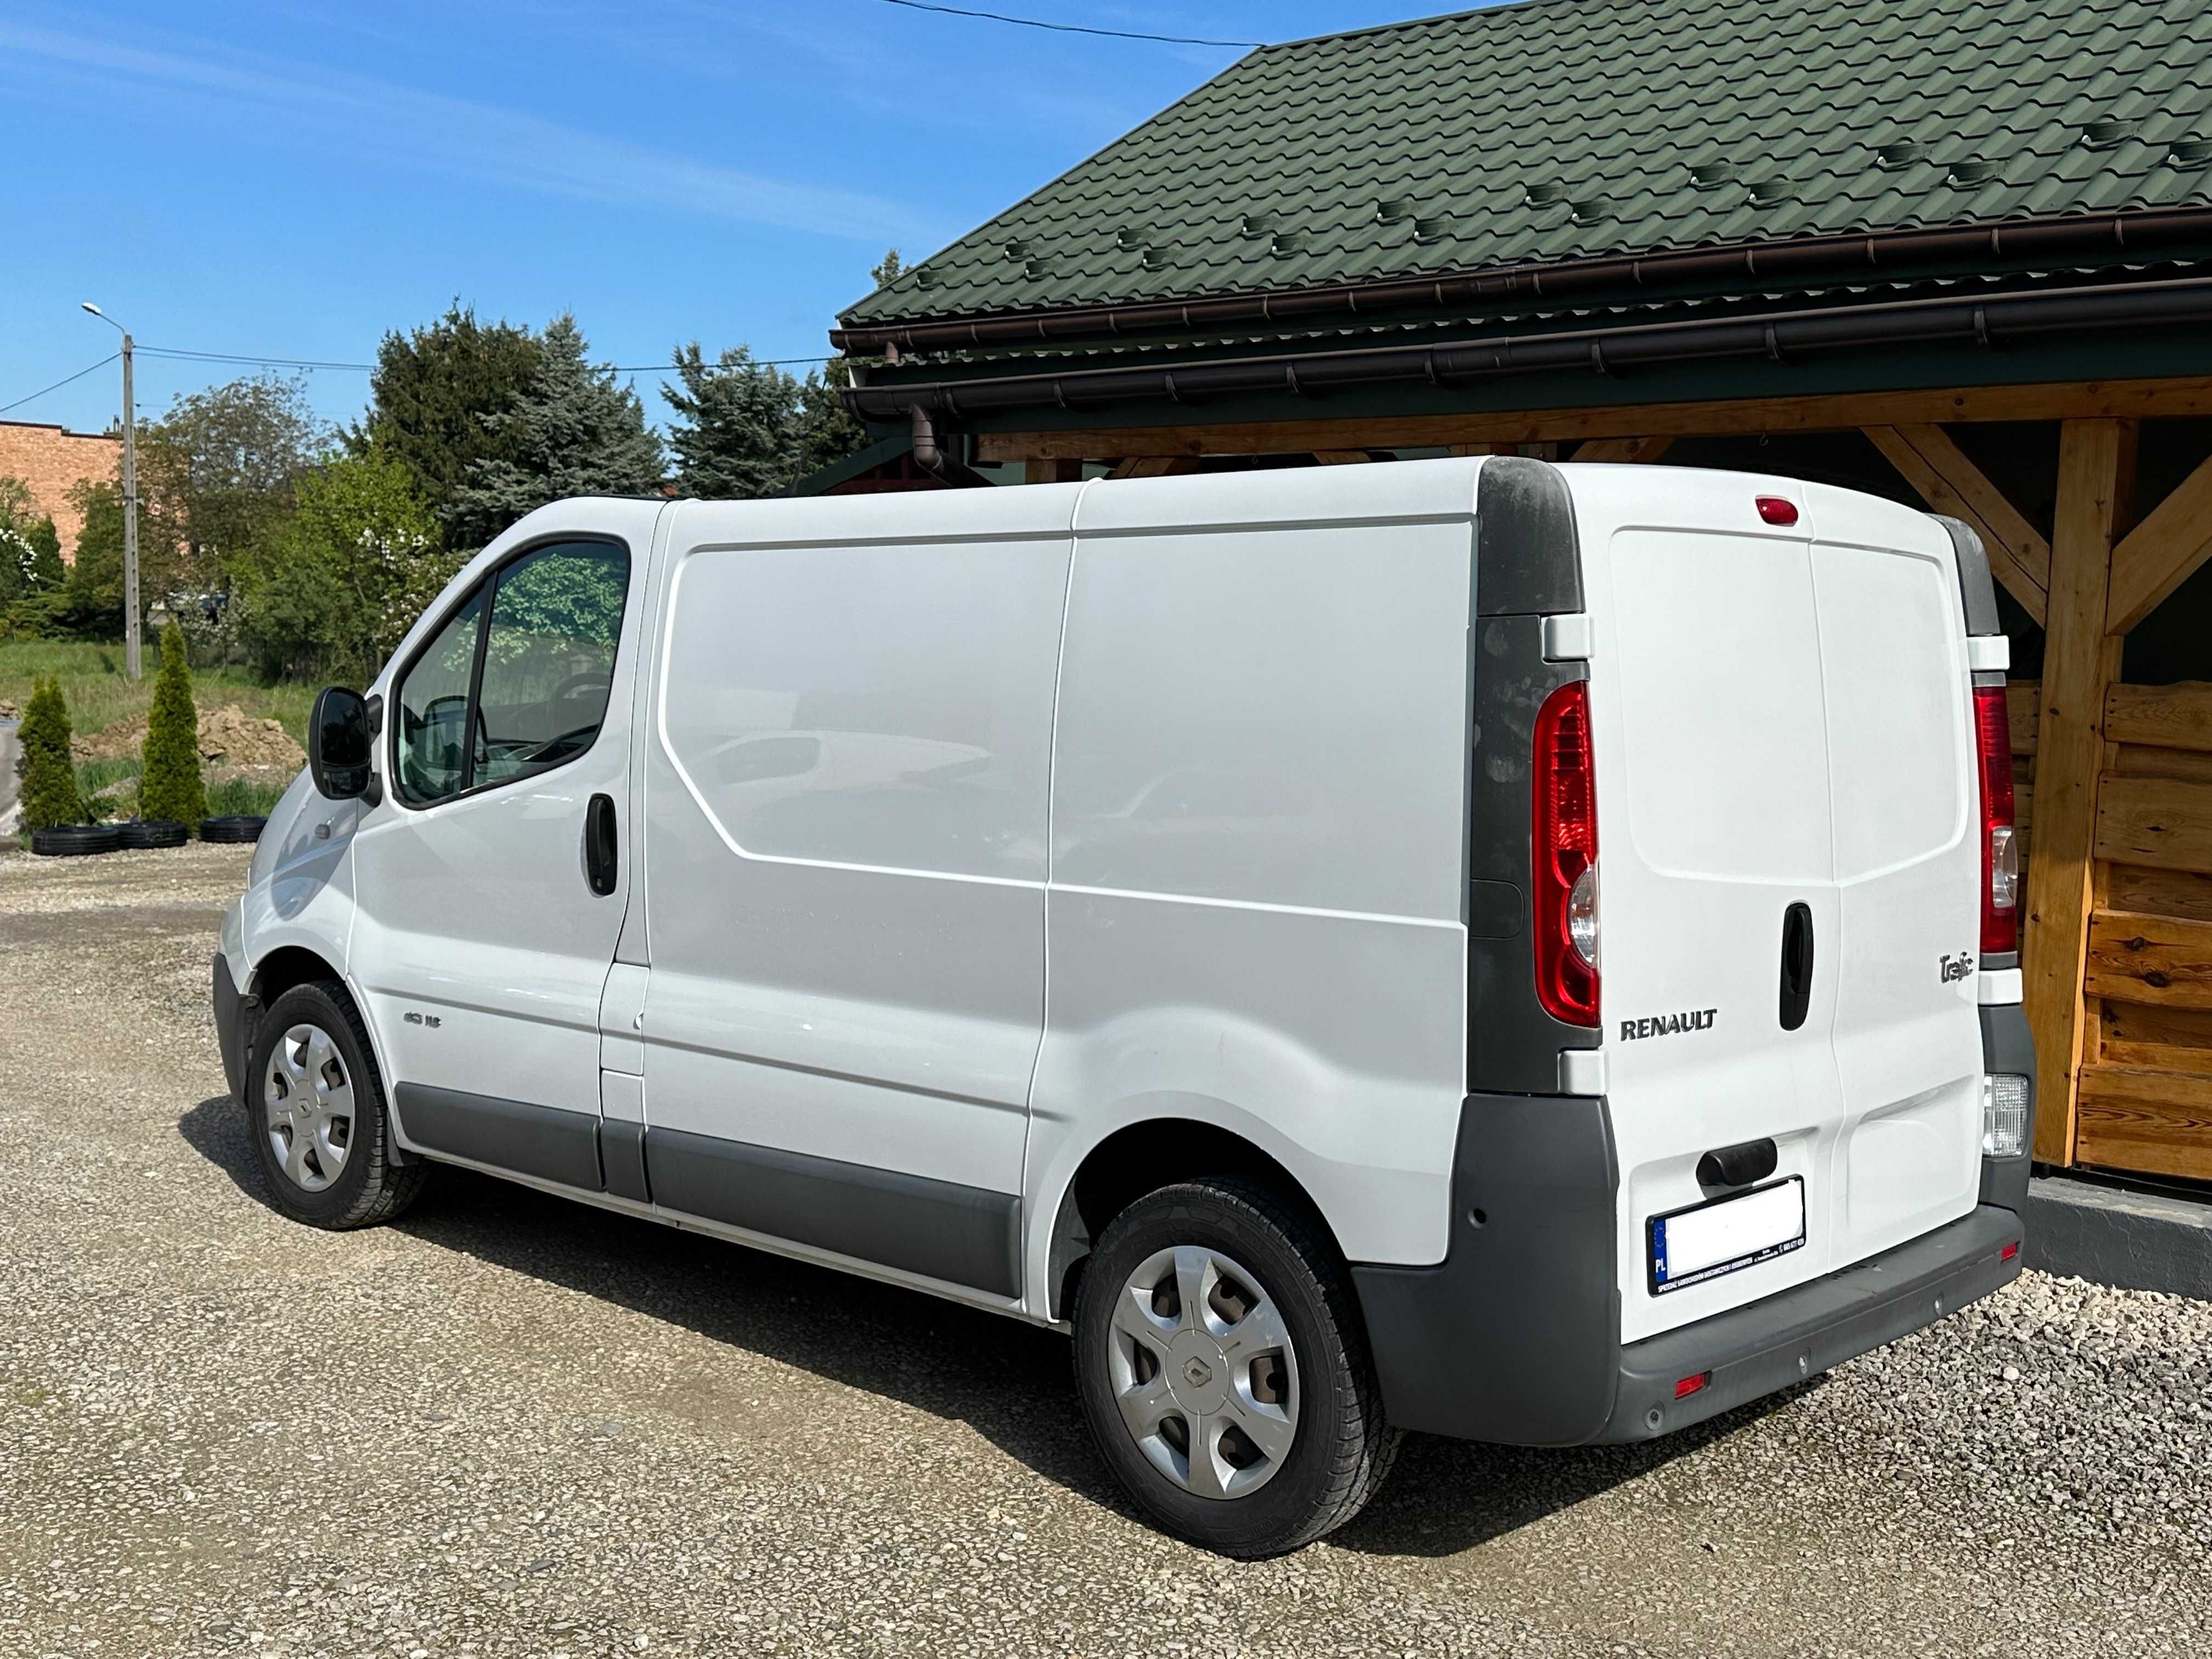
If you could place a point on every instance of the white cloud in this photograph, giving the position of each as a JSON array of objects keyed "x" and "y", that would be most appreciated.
[{"x": 462, "y": 138}]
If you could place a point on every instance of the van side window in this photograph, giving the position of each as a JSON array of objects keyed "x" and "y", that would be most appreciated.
[
  {"x": 491, "y": 700},
  {"x": 434, "y": 709},
  {"x": 550, "y": 662}
]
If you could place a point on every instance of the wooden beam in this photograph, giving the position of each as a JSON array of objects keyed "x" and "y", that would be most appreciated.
[
  {"x": 2162, "y": 552},
  {"x": 1154, "y": 466},
  {"x": 1950, "y": 482},
  {"x": 2024, "y": 706},
  {"x": 2149, "y": 1121},
  {"x": 1341, "y": 457},
  {"x": 2165, "y": 962},
  {"x": 1632, "y": 451},
  {"x": 2063, "y": 400},
  {"x": 1067, "y": 469},
  {"x": 2080, "y": 661},
  {"x": 2158, "y": 716},
  {"x": 2163, "y": 822}
]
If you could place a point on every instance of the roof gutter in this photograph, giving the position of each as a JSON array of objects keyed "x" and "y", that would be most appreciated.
[
  {"x": 1778, "y": 335},
  {"x": 1803, "y": 259}
]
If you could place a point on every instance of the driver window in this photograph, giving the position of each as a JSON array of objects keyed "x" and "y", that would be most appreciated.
[
  {"x": 434, "y": 711},
  {"x": 549, "y": 663}
]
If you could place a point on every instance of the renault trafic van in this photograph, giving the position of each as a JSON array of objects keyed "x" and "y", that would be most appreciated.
[{"x": 1516, "y": 951}]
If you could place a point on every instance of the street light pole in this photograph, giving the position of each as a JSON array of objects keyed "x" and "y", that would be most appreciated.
[{"x": 132, "y": 656}]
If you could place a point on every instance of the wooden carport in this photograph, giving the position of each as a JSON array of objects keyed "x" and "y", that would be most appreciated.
[{"x": 1598, "y": 232}]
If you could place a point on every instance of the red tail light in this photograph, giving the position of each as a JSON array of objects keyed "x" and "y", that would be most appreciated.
[
  {"x": 1565, "y": 855},
  {"x": 2000, "y": 851}
]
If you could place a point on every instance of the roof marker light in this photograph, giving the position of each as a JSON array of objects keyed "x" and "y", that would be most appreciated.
[{"x": 1777, "y": 509}]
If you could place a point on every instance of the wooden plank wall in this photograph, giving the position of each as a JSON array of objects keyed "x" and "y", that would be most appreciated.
[{"x": 2145, "y": 1093}]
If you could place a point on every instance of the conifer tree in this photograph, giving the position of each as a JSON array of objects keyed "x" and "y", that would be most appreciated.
[
  {"x": 573, "y": 431},
  {"x": 49, "y": 794},
  {"x": 169, "y": 787}
]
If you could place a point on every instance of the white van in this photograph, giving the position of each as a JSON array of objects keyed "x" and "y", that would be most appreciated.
[{"x": 1516, "y": 951}]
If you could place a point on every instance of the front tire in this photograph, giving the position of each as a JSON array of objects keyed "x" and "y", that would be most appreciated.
[
  {"x": 1224, "y": 1371},
  {"x": 315, "y": 1110}
]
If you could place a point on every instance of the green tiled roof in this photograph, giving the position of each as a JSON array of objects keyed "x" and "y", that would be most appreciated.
[{"x": 1560, "y": 129}]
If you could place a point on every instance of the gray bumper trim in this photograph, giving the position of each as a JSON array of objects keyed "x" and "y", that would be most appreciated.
[{"x": 1752, "y": 1350}]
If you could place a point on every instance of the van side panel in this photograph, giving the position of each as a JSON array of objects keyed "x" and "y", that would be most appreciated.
[
  {"x": 1254, "y": 911},
  {"x": 847, "y": 780}
]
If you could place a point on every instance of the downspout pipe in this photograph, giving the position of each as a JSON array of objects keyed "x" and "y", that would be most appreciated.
[
  {"x": 928, "y": 449},
  {"x": 1984, "y": 320},
  {"x": 2021, "y": 244}
]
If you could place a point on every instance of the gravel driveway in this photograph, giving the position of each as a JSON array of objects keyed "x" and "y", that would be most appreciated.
[{"x": 510, "y": 1425}]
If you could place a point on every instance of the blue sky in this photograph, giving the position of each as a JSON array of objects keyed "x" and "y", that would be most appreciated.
[{"x": 266, "y": 178}]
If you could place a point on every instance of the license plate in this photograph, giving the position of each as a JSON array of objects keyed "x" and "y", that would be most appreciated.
[{"x": 1724, "y": 1235}]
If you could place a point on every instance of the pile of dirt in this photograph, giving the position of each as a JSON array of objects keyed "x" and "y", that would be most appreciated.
[
  {"x": 232, "y": 735},
  {"x": 228, "y": 734}
]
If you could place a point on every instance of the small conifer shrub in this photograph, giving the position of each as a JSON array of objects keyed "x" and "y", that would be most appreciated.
[
  {"x": 49, "y": 792},
  {"x": 170, "y": 787}
]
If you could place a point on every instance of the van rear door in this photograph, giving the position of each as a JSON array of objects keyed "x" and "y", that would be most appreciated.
[
  {"x": 1714, "y": 816},
  {"x": 1908, "y": 870},
  {"x": 1780, "y": 716}
]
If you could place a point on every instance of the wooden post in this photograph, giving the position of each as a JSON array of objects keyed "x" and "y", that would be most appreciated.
[
  {"x": 1052, "y": 471},
  {"x": 2080, "y": 661}
]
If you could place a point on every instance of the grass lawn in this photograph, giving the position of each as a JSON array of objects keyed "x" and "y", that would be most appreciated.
[{"x": 98, "y": 693}]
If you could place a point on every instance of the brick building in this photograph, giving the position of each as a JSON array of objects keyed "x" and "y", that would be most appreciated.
[{"x": 52, "y": 460}]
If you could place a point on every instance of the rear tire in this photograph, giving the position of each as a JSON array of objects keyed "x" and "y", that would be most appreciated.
[
  {"x": 314, "y": 1106},
  {"x": 1253, "y": 1426}
]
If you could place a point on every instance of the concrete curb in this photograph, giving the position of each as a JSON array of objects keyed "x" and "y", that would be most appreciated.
[{"x": 2111, "y": 1236}]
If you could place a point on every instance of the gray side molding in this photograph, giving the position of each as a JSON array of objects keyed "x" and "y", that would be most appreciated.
[
  {"x": 962, "y": 1234},
  {"x": 1976, "y": 585},
  {"x": 544, "y": 1141},
  {"x": 1528, "y": 566},
  {"x": 1527, "y": 561}
]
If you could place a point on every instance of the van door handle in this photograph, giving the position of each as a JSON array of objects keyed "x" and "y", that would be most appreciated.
[
  {"x": 600, "y": 868},
  {"x": 1796, "y": 964}
]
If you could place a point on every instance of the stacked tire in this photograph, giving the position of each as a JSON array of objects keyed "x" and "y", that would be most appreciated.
[
  {"x": 76, "y": 840},
  {"x": 158, "y": 832}
]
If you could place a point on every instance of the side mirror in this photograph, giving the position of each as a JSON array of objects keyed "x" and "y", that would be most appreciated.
[{"x": 338, "y": 744}]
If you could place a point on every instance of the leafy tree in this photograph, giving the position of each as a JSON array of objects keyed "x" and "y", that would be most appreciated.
[
  {"x": 170, "y": 787},
  {"x": 49, "y": 774},
  {"x": 30, "y": 552},
  {"x": 888, "y": 269},
  {"x": 437, "y": 397},
  {"x": 218, "y": 475},
  {"x": 87, "y": 601},
  {"x": 575, "y": 432},
  {"x": 47, "y": 572},
  {"x": 334, "y": 592}
]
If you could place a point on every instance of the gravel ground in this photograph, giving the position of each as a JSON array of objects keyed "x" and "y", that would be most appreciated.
[{"x": 509, "y": 1426}]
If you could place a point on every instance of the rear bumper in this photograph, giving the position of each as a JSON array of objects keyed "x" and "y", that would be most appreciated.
[
  {"x": 1516, "y": 1336},
  {"x": 1751, "y": 1352}
]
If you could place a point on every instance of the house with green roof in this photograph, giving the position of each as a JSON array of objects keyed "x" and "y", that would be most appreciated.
[{"x": 1956, "y": 251}]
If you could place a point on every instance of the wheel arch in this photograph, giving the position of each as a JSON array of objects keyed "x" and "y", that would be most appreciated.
[
  {"x": 286, "y": 966},
  {"x": 1140, "y": 1158}
]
